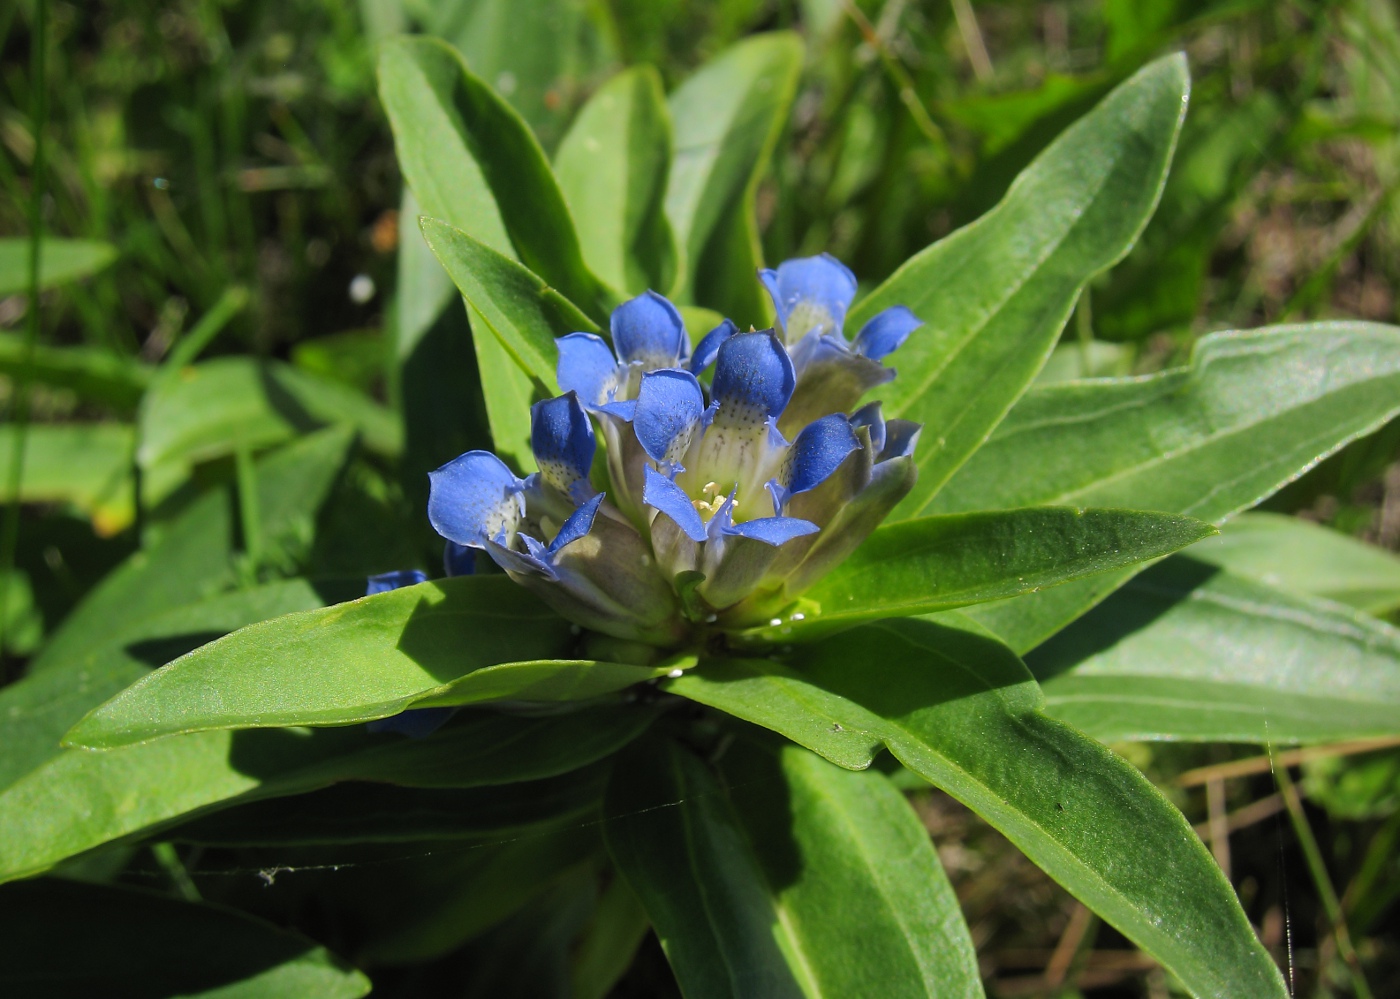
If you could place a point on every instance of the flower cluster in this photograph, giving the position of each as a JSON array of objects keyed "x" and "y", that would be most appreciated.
[{"x": 723, "y": 502}]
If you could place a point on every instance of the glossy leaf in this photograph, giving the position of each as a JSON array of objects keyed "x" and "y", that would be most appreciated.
[
  {"x": 473, "y": 162},
  {"x": 674, "y": 837},
  {"x": 509, "y": 393},
  {"x": 60, "y": 261},
  {"x": 934, "y": 563},
  {"x": 995, "y": 294},
  {"x": 608, "y": 943},
  {"x": 1301, "y": 557},
  {"x": 1186, "y": 651},
  {"x": 193, "y": 556},
  {"x": 1253, "y": 411},
  {"x": 354, "y": 662},
  {"x": 855, "y": 877},
  {"x": 150, "y": 946},
  {"x": 81, "y": 800},
  {"x": 727, "y": 118},
  {"x": 612, "y": 166},
  {"x": 962, "y": 712},
  {"x": 36, "y": 710},
  {"x": 523, "y": 313}
]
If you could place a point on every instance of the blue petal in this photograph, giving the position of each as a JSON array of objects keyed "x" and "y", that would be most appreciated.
[
  {"x": 818, "y": 451},
  {"x": 649, "y": 329},
  {"x": 901, "y": 437},
  {"x": 708, "y": 348},
  {"x": 524, "y": 563},
  {"x": 810, "y": 293},
  {"x": 386, "y": 581},
  {"x": 418, "y": 723},
  {"x": 753, "y": 377},
  {"x": 773, "y": 531},
  {"x": 587, "y": 366},
  {"x": 664, "y": 495},
  {"x": 458, "y": 560},
  {"x": 474, "y": 497},
  {"x": 885, "y": 333},
  {"x": 669, "y": 406},
  {"x": 578, "y": 524},
  {"x": 562, "y": 438},
  {"x": 870, "y": 416}
]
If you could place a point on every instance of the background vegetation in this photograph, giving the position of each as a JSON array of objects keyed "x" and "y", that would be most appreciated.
[{"x": 236, "y": 159}]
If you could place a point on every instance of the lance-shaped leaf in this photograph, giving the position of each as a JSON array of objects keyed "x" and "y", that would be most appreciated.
[
  {"x": 81, "y": 800},
  {"x": 1252, "y": 411},
  {"x": 727, "y": 119},
  {"x": 960, "y": 710},
  {"x": 143, "y": 944},
  {"x": 995, "y": 294},
  {"x": 94, "y": 373},
  {"x": 472, "y": 161},
  {"x": 1186, "y": 651},
  {"x": 854, "y": 876},
  {"x": 60, "y": 261},
  {"x": 612, "y": 167},
  {"x": 1302, "y": 557},
  {"x": 193, "y": 556},
  {"x": 451, "y": 642},
  {"x": 523, "y": 313},
  {"x": 934, "y": 563},
  {"x": 39, "y": 708},
  {"x": 676, "y": 840}
]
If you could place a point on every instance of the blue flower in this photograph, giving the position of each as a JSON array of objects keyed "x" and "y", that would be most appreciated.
[
  {"x": 811, "y": 296},
  {"x": 721, "y": 477},
  {"x": 552, "y": 532},
  {"x": 712, "y": 515},
  {"x": 647, "y": 334}
]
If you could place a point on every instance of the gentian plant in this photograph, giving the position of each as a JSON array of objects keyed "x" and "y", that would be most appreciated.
[{"x": 756, "y": 551}]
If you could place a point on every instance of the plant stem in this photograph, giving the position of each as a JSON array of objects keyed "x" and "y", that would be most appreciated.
[{"x": 1317, "y": 867}]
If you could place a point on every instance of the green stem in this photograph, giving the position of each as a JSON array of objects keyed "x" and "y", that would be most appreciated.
[
  {"x": 1331, "y": 904},
  {"x": 9, "y": 541}
]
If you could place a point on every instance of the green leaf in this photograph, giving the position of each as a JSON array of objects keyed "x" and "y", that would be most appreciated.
[
  {"x": 677, "y": 841},
  {"x": 36, "y": 710},
  {"x": 370, "y": 658},
  {"x": 93, "y": 373},
  {"x": 1186, "y": 651},
  {"x": 509, "y": 393},
  {"x": 935, "y": 563},
  {"x": 86, "y": 464},
  {"x": 212, "y": 409},
  {"x": 995, "y": 294},
  {"x": 1302, "y": 557},
  {"x": 193, "y": 557},
  {"x": 60, "y": 261},
  {"x": 727, "y": 119},
  {"x": 612, "y": 167},
  {"x": 523, "y": 313},
  {"x": 471, "y": 161},
  {"x": 383, "y": 813},
  {"x": 1251, "y": 412},
  {"x": 143, "y": 944},
  {"x": 962, "y": 711},
  {"x": 855, "y": 877},
  {"x": 80, "y": 800},
  {"x": 608, "y": 943}
]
